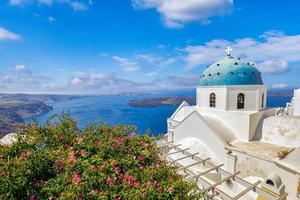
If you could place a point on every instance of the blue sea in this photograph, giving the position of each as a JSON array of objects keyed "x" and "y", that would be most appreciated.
[{"x": 114, "y": 109}]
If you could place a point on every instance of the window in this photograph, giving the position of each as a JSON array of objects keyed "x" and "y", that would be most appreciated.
[
  {"x": 263, "y": 100},
  {"x": 241, "y": 101},
  {"x": 212, "y": 100}
]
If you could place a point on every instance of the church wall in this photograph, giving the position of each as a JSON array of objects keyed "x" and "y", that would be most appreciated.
[
  {"x": 256, "y": 123},
  {"x": 196, "y": 127},
  {"x": 203, "y": 97},
  {"x": 282, "y": 130},
  {"x": 238, "y": 122},
  {"x": 252, "y": 98},
  {"x": 296, "y": 102},
  {"x": 226, "y": 97}
]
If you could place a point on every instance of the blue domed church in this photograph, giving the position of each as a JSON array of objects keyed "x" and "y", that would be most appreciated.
[
  {"x": 231, "y": 95},
  {"x": 230, "y": 125}
]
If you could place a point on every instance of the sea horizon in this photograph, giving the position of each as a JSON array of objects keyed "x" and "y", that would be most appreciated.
[{"x": 114, "y": 109}]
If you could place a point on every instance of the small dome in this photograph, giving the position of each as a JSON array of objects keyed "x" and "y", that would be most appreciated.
[{"x": 231, "y": 71}]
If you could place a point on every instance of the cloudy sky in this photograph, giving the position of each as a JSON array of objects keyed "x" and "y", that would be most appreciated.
[{"x": 112, "y": 46}]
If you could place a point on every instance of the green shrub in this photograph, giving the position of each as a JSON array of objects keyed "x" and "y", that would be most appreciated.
[{"x": 59, "y": 161}]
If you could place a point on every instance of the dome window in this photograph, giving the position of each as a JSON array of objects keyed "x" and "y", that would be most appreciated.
[
  {"x": 209, "y": 74},
  {"x": 212, "y": 100},
  {"x": 232, "y": 73},
  {"x": 239, "y": 58},
  {"x": 218, "y": 73},
  {"x": 248, "y": 63},
  {"x": 218, "y": 64},
  {"x": 263, "y": 100},
  {"x": 241, "y": 101},
  {"x": 236, "y": 63}
]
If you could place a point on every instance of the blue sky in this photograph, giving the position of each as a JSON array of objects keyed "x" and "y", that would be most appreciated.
[{"x": 112, "y": 46}]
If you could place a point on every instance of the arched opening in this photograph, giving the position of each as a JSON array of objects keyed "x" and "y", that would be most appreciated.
[
  {"x": 270, "y": 182},
  {"x": 263, "y": 100},
  {"x": 212, "y": 100},
  {"x": 241, "y": 101}
]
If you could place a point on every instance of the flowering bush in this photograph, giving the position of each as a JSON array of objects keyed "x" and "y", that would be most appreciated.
[{"x": 59, "y": 161}]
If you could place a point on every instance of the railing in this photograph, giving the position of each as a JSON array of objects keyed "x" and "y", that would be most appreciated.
[{"x": 207, "y": 186}]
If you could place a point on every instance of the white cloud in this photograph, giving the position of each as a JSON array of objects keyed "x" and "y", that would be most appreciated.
[
  {"x": 272, "y": 51},
  {"x": 151, "y": 73},
  {"x": 109, "y": 83},
  {"x": 75, "y": 5},
  {"x": 176, "y": 13},
  {"x": 51, "y": 19},
  {"x": 16, "y": 2},
  {"x": 279, "y": 86},
  {"x": 20, "y": 68},
  {"x": 22, "y": 79},
  {"x": 78, "y": 6},
  {"x": 273, "y": 66},
  {"x": 8, "y": 35},
  {"x": 128, "y": 66}
]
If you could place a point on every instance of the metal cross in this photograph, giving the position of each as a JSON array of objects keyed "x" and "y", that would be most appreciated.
[{"x": 228, "y": 51}]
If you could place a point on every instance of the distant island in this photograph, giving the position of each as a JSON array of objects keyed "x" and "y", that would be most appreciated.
[
  {"x": 14, "y": 108},
  {"x": 160, "y": 101}
]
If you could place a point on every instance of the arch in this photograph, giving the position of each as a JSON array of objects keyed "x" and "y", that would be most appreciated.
[
  {"x": 270, "y": 182},
  {"x": 212, "y": 100},
  {"x": 263, "y": 100},
  {"x": 241, "y": 101}
]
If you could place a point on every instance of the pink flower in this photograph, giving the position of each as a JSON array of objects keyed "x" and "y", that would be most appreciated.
[
  {"x": 59, "y": 160},
  {"x": 149, "y": 183},
  {"x": 141, "y": 158},
  {"x": 83, "y": 152},
  {"x": 159, "y": 189},
  {"x": 118, "y": 198},
  {"x": 76, "y": 178},
  {"x": 32, "y": 197},
  {"x": 68, "y": 180},
  {"x": 145, "y": 194},
  {"x": 109, "y": 180},
  {"x": 131, "y": 137},
  {"x": 73, "y": 159},
  {"x": 117, "y": 170},
  {"x": 170, "y": 189},
  {"x": 130, "y": 150},
  {"x": 157, "y": 166}
]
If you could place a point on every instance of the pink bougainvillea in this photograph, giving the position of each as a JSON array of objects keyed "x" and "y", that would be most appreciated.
[{"x": 102, "y": 162}]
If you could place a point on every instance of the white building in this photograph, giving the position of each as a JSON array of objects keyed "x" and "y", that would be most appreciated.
[
  {"x": 230, "y": 117},
  {"x": 293, "y": 108}
]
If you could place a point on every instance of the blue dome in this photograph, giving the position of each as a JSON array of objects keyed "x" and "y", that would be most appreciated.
[{"x": 231, "y": 71}]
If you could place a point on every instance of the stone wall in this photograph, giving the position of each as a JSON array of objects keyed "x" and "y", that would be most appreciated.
[{"x": 282, "y": 130}]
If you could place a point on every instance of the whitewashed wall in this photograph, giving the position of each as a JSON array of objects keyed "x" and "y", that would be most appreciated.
[
  {"x": 203, "y": 97},
  {"x": 196, "y": 127},
  {"x": 226, "y": 97},
  {"x": 282, "y": 131},
  {"x": 296, "y": 103}
]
